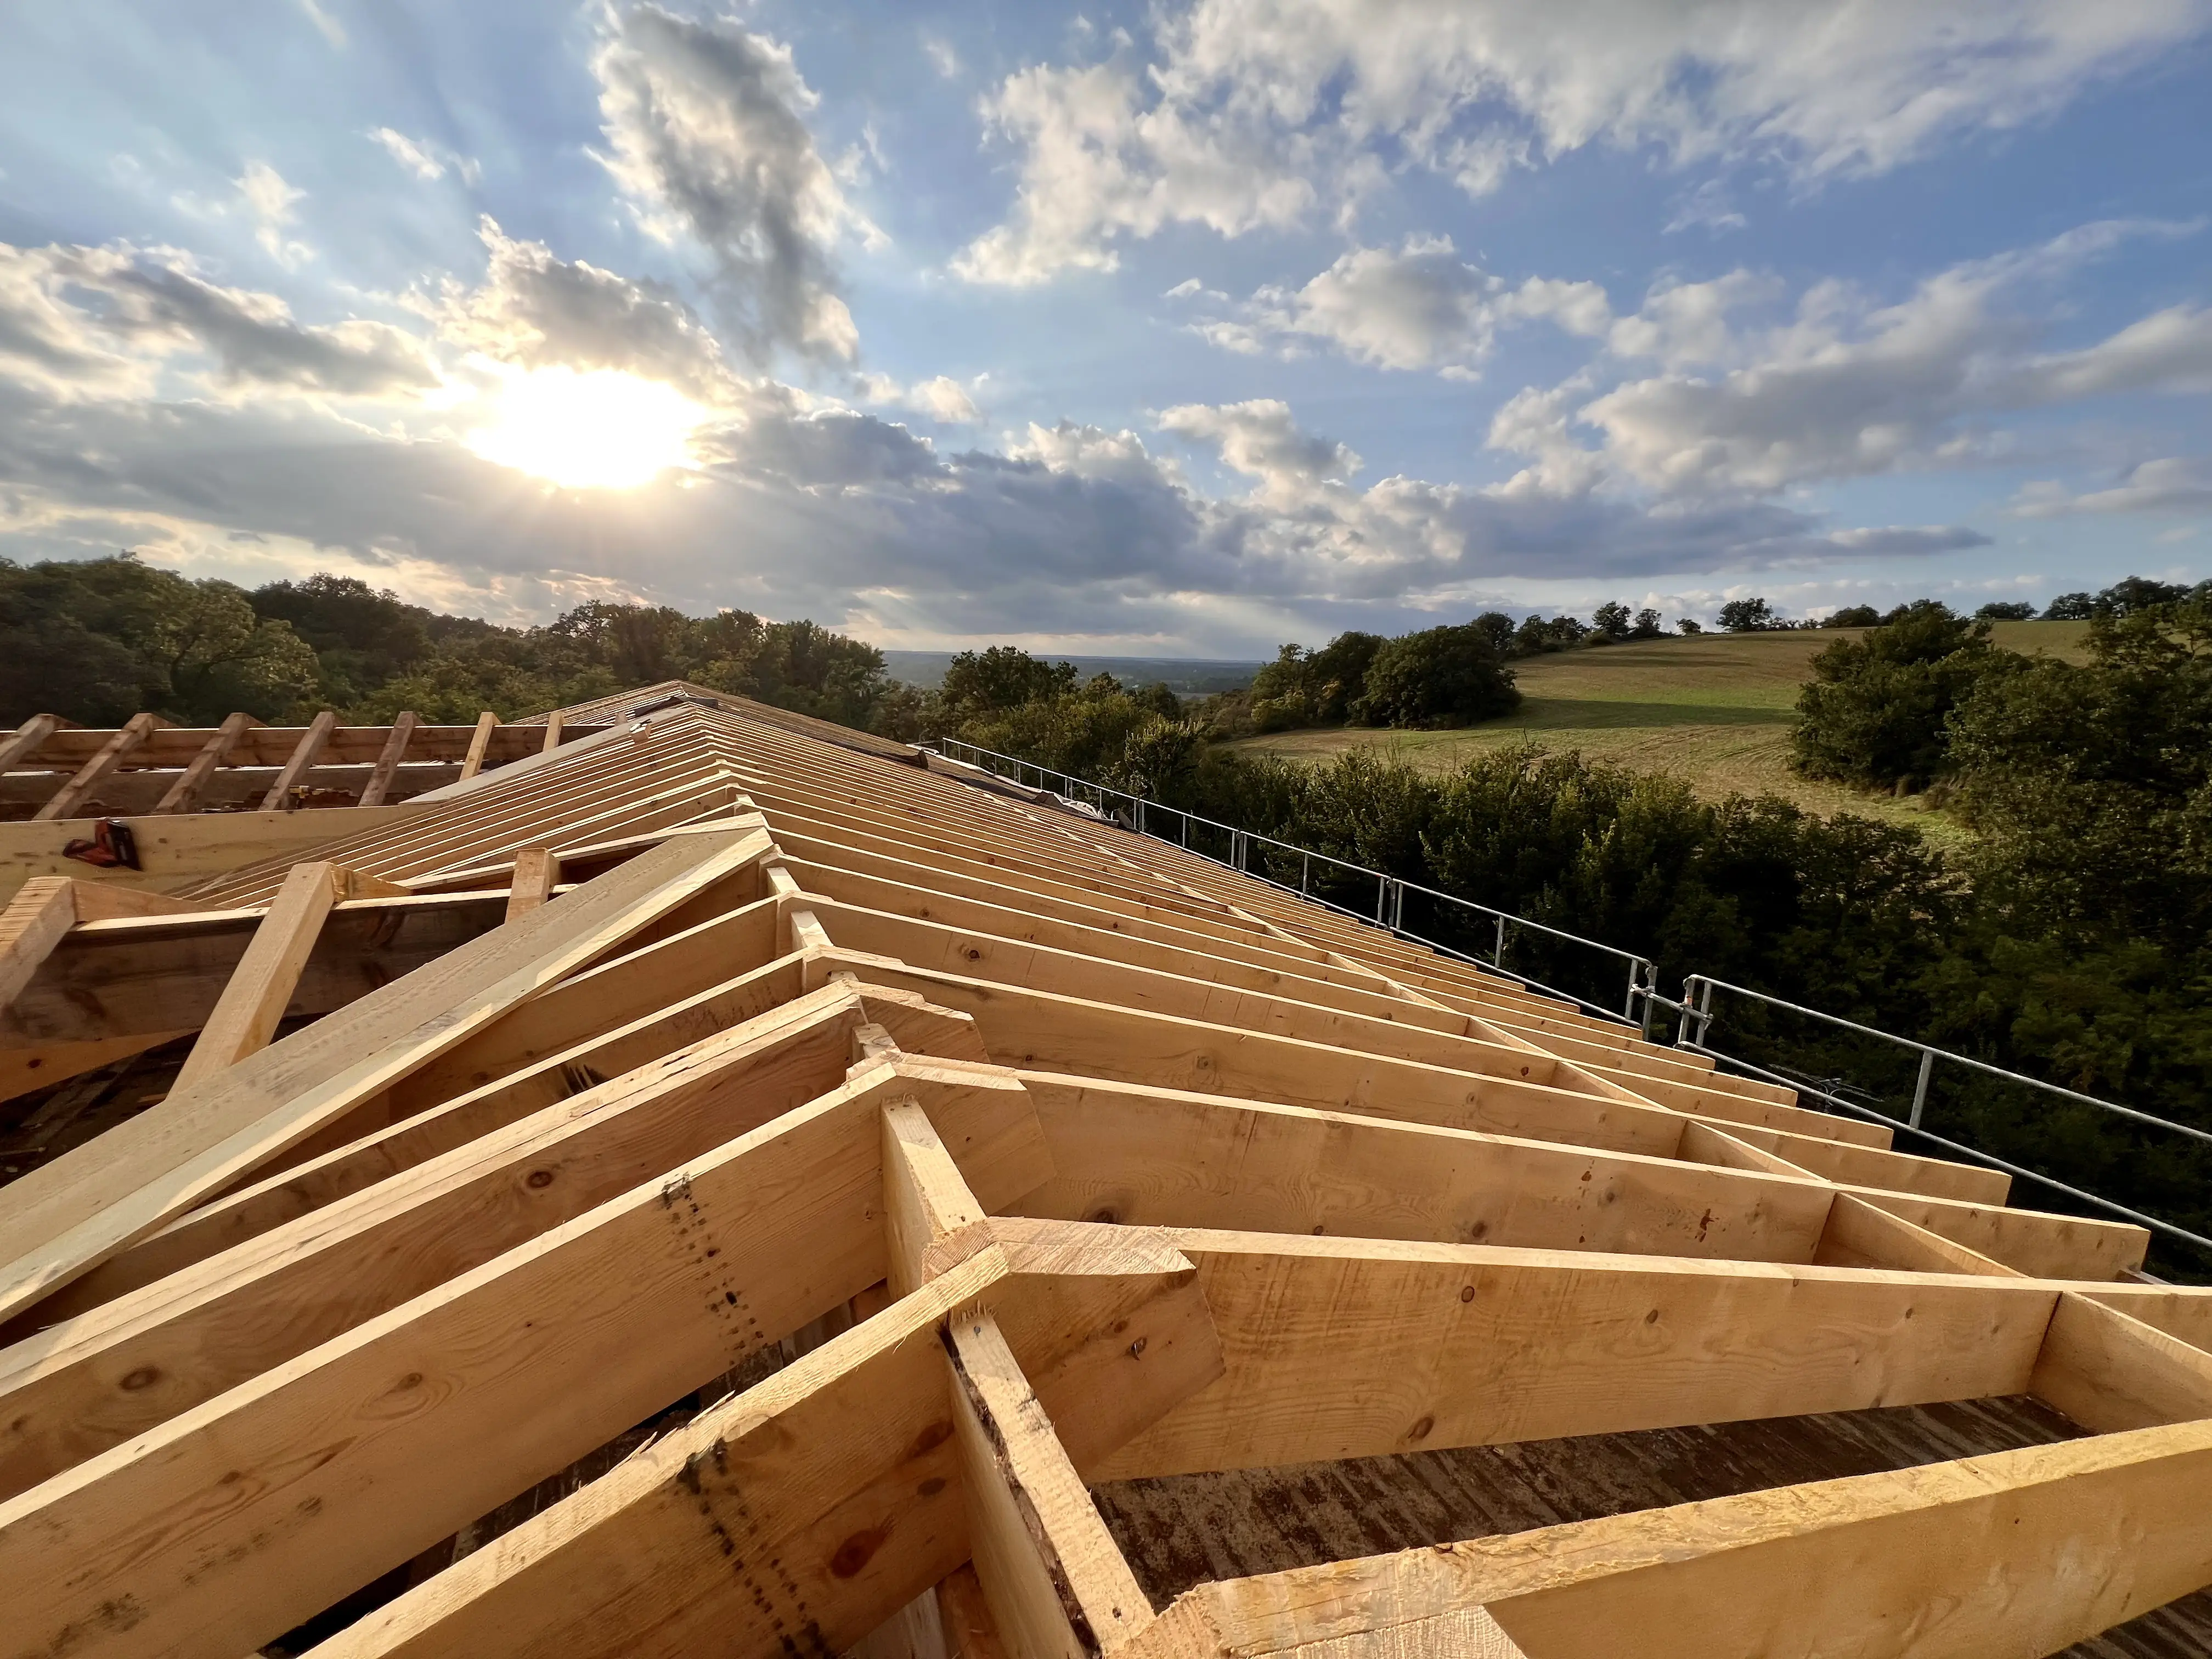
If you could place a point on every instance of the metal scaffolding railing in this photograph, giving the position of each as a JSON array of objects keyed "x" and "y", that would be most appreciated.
[
  {"x": 1696, "y": 1010},
  {"x": 1144, "y": 815},
  {"x": 1642, "y": 1001}
]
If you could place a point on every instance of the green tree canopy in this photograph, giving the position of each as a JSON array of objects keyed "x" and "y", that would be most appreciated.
[
  {"x": 1439, "y": 677},
  {"x": 98, "y": 639},
  {"x": 1875, "y": 708}
]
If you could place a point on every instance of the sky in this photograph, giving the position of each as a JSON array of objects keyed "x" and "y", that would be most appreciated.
[{"x": 1187, "y": 329}]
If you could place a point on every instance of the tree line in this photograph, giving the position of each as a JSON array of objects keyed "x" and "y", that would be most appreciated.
[{"x": 99, "y": 640}]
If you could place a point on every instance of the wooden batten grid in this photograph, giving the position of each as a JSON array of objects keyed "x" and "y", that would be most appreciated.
[
  {"x": 709, "y": 1183},
  {"x": 151, "y": 768}
]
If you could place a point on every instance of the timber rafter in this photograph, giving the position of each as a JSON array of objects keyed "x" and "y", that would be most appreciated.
[{"x": 998, "y": 1154}]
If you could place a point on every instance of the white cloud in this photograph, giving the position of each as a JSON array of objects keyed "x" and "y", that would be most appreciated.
[
  {"x": 53, "y": 344},
  {"x": 947, "y": 400},
  {"x": 1252, "y": 111},
  {"x": 2174, "y": 484},
  {"x": 706, "y": 125},
  {"x": 799, "y": 510},
  {"x": 1260, "y": 438},
  {"x": 1413, "y": 306},
  {"x": 535, "y": 310},
  {"x": 1094, "y": 165},
  {"x": 80, "y": 322},
  {"x": 412, "y": 154},
  {"x": 942, "y": 399},
  {"x": 2170, "y": 350},
  {"x": 1751, "y": 397},
  {"x": 274, "y": 205},
  {"x": 1707, "y": 206},
  {"x": 941, "y": 58},
  {"x": 1090, "y": 452},
  {"x": 425, "y": 158}
]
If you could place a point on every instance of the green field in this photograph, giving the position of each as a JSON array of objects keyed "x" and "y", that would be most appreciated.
[{"x": 1714, "y": 709}]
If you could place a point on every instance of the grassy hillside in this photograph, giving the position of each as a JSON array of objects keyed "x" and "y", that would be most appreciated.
[{"x": 1714, "y": 709}]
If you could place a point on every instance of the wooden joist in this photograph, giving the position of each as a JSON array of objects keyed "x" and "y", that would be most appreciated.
[
  {"x": 80, "y": 1209},
  {"x": 536, "y": 872},
  {"x": 64, "y": 747},
  {"x": 65, "y": 801},
  {"x": 1958, "y": 1560},
  {"x": 27, "y": 738},
  {"x": 388, "y": 759},
  {"x": 245, "y": 1016},
  {"x": 183, "y": 795},
  {"x": 479, "y": 745},
  {"x": 297, "y": 763}
]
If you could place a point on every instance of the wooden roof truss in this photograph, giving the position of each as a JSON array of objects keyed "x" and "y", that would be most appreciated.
[{"x": 1045, "y": 1155}]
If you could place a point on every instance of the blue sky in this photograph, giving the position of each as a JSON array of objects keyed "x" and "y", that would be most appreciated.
[{"x": 1178, "y": 330}]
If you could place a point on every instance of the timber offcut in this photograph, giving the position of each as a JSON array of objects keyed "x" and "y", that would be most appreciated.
[{"x": 674, "y": 1177}]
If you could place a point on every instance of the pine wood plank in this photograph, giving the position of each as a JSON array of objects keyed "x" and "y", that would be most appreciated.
[
  {"x": 183, "y": 795},
  {"x": 1143, "y": 1155},
  {"x": 23, "y": 742},
  {"x": 473, "y": 762},
  {"x": 1340, "y": 1348},
  {"x": 36, "y": 920},
  {"x": 2021, "y": 1553},
  {"x": 387, "y": 762},
  {"x": 434, "y": 1411},
  {"x": 252, "y": 1211},
  {"x": 537, "y": 873},
  {"x": 1056, "y": 1584},
  {"x": 88, "y": 777},
  {"x": 82, "y": 1208},
  {"x": 223, "y": 1321},
  {"x": 2108, "y": 1370},
  {"x": 247, "y": 1013},
  {"x": 839, "y": 1474},
  {"x": 296, "y": 765}
]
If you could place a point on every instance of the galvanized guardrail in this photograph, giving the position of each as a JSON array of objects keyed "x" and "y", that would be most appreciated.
[
  {"x": 1696, "y": 1010},
  {"x": 1143, "y": 816},
  {"x": 1642, "y": 1001}
]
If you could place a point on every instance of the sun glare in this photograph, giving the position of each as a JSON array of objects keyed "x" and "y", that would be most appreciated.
[{"x": 600, "y": 429}]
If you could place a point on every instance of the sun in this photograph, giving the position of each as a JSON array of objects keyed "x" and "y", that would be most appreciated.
[{"x": 597, "y": 429}]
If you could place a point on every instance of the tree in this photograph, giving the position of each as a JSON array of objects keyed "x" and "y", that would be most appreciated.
[
  {"x": 1498, "y": 628},
  {"x": 1609, "y": 623},
  {"x": 98, "y": 639},
  {"x": 1747, "y": 616},
  {"x": 1874, "y": 713},
  {"x": 638, "y": 644},
  {"x": 1439, "y": 677},
  {"x": 1852, "y": 615},
  {"x": 1646, "y": 626},
  {"x": 1339, "y": 675},
  {"x": 1003, "y": 678},
  {"x": 217, "y": 656},
  {"x": 2133, "y": 593},
  {"x": 361, "y": 636},
  {"x": 1536, "y": 635},
  {"x": 1689, "y": 625},
  {"x": 2089, "y": 781},
  {"x": 2006, "y": 610},
  {"x": 1304, "y": 687},
  {"x": 2070, "y": 607}
]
